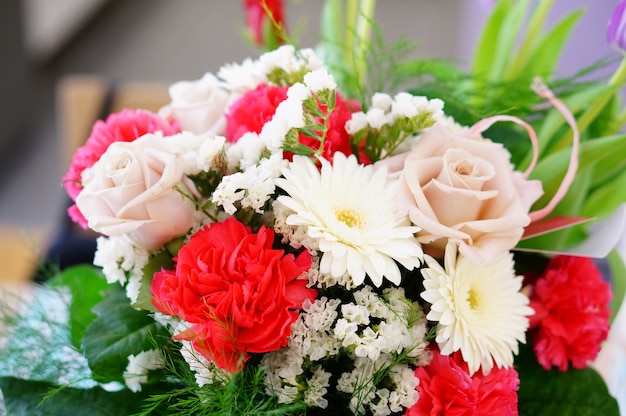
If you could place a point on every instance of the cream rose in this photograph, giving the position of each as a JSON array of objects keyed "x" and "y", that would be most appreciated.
[
  {"x": 131, "y": 191},
  {"x": 199, "y": 105},
  {"x": 464, "y": 190}
]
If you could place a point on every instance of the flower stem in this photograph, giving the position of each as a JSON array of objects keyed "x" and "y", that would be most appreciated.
[{"x": 363, "y": 29}]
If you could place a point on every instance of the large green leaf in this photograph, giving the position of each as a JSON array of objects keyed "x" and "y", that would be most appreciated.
[
  {"x": 117, "y": 332},
  {"x": 551, "y": 169},
  {"x": 36, "y": 342},
  {"x": 543, "y": 60},
  {"x": 486, "y": 47},
  {"x": 532, "y": 38},
  {"x": 571, "y": 393},
  {"x": 605, "y": 199},
  {"x": 87, "y": 285},
  {"x": 26, "y": 398},
  {"x": 506, "y": 40}
]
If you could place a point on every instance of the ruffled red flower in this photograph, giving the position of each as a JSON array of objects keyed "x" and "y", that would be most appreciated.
[
  {"x": 240, "y": 294},
  {"x": 126, "y": 126},
  {"x": 446, "y": 388},
  {"x": 257, "y": 19},
  {"x": 255, "y": 108},
  {"x": 571, "y": 303}
]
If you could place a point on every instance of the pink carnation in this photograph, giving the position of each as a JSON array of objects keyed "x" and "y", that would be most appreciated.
[
  {"x": 250, "y": 113},
  {"x": 571, "y": 315},
  {"x": 126, "y": 125},
  {"x": 446, "y": 388}
]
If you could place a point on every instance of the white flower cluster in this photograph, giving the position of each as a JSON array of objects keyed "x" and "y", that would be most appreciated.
[
  {"x": 121, "y": 262},
  {"x": 252, "y": 188},
  {"x": 205, "y": 372},
  {"x": 139, "y": 365},
  {"x": 376, "y": 333},
  {"x": 385, "y": 110}
]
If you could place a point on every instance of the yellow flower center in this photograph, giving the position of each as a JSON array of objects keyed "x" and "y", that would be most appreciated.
[
  {"x": 472, "y": 299},
  {"x": 350, "y": 217}
]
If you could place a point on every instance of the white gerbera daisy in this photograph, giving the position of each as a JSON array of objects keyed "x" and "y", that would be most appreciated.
[
  {"x": 479, "y": 308},
  {"x": 350, "y": 211}
]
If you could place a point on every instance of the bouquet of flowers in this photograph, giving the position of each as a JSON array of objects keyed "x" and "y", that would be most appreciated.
[{"x": 280, "y": 240}]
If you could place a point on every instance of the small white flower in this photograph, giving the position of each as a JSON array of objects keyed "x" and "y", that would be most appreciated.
[
  {"x": 205, "y": 372},
  {"x": 139, "y": 365},
  {"x": 479, "y": 308},
  {"x": 382, "y": 101},
  {"x": 355, "y": 234},
  {"x": 357, "y": 122},
  {"x": 319, "y": 80},
  {"x": 376, "y": 118}
]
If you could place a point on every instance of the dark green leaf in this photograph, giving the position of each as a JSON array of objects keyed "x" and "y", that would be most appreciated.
[
  {"x": 571, "y": 393},
  {"x": 26, "y": 398},
  {"x": 87, "y": 285},
  {"x": 161, "y": 260},
  {"x": 117, "y": 332}
]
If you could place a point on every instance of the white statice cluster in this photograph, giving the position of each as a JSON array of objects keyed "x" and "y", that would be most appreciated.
[
  {"x": 251, "y": 188},
  {"x": 121, "y": 262},
  {"x": 377, "y": 333},
  {"x": 205, "y": 372},
  {"x": 254, "y": 183},
  {"x": 139, "y": 366},
  {"x": 386, "y": 111}
]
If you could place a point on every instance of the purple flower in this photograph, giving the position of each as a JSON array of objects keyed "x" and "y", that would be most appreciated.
[{"x": 616, "y": 30}]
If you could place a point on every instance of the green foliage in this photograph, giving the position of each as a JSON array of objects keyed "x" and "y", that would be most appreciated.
[
  {"x": 242, "y": 394},
  {"x": 32, "y": 398},
  {"x": 87, "y": 285},
  {"x": 571, "y": 393},
  {"x": 117, "y": 332},
  {"x": 158, "y": 261},
  {"x": 618, "y": 280}
]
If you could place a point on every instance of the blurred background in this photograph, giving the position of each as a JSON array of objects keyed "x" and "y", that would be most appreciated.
[{"x": 59, "y": 56}]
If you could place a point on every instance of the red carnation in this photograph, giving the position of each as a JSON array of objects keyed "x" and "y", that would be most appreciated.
[
  {"x": 255, "y": 108},
  {"x": 571, "y": 315},
  {"x": 126, "y": 126},
  {"x": 240, "y": 294},
  {"x": 446, "y": 388}
]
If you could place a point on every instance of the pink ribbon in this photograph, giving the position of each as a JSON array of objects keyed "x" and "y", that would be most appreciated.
[{"x": 543, "y": 91}]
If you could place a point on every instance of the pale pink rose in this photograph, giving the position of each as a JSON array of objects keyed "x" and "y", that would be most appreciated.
[
  {"x": 131, "y": 190},
  {"x": 465, "y": 190},
  {"x": 198, "y": 106}
]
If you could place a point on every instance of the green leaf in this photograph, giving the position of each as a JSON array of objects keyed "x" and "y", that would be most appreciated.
[
  {"x": 551, "y": 169},
  {"x": 162, "y": 259},
  {"x": 571, "y": 393},
  {"x": 26, "y": 398},
  {"x": 606, "y": 198},
  {"x": 543, "y": 60},
  {"x": 533, "y": 32},
  {"x": 87, "y": 285},
  {"x": 618, "y": 280},
  {"x": 506, "y": 39},
  {"x": 554, "y": 121},
  {"x": 117, "y": 332},
  {"x": 36, "y": 338},
  {"x": 486, "y": 46}
]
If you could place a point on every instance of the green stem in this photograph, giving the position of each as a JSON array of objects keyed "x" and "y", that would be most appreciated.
[
  {"x": 363, "y": 29},
  {"x": 352, "y": 11},
  {"x": 617, "y": 80}
]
